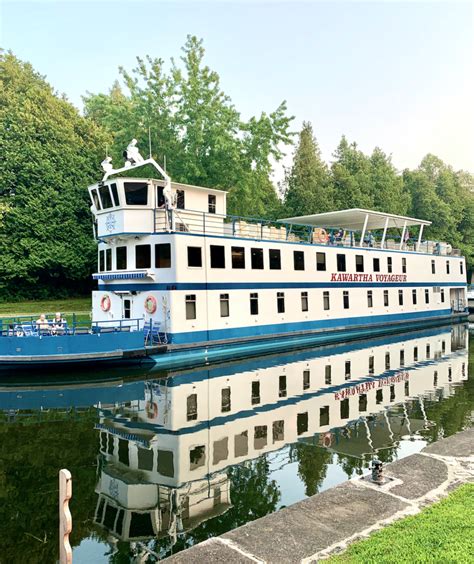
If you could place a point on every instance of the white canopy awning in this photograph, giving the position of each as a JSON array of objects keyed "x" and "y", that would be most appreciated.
[{"x": 355, "y": 220}]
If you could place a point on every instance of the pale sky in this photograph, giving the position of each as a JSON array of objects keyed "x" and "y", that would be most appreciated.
[{"x": 399, "y": 75}]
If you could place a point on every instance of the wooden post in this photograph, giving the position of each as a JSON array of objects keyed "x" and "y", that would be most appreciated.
[{"x": 65, "y": 518}]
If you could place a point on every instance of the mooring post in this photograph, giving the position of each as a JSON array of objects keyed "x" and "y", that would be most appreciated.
[{"x": 65, "y": 518}]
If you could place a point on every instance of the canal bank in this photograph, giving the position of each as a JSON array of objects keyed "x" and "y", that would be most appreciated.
[{"x": 327, "y": 523}]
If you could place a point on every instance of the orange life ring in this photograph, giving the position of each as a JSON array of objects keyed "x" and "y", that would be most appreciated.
[
  {"x": 320, "y": 235},
  {"x": 327, "y": 440},
  {"x": 150, "y": 304},
  {"x": 105, "y": 303},
  {"x": 151, "y": 408}
]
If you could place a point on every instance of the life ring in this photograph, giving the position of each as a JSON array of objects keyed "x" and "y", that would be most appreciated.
[
  {"x": 151, "y": 408},
  {"x": 150, "y": 304},
  {"x": 327, "y": 440},
  {"x": 105, "y": 303},
  {"x": 320, "y": 235}
]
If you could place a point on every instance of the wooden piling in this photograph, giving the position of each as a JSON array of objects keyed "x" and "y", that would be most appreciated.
[{"x": 65, "y": 517}]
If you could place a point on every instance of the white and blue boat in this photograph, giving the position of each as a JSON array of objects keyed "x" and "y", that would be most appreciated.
[{"x": 181, "y": 281}]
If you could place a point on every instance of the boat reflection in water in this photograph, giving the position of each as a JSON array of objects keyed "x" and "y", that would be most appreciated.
[{"x": 167, "y": 454}]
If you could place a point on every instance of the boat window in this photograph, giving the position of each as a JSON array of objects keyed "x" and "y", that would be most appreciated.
[
  {"x": 195, "y": 256},
  {"x": 320, "y": 261},
  {"x": 220, "y": 450},
  {"x": 257, "y": 258},
  {"x": 345, "y": 299},
  {"x": 197, "y": 457},
  {"x": 108, "y": 259},
  {"x": 344, "y": 407},
  {"x": 433, "y": 267},
  {"x": 211, "y": 200},
  {"x": 414, "y": 296},
  {"x": 275, "y": 259},
  {"x": 427, "y": 296},
  {"x": 253, "y": 304},
  {"x": 166, "y": 463},
  {"x": 447, "y": 267},
  {"x": 123, "y": 452},
  {"x": 371, "y": 364},
  {"x": 404, "y": 265},
  {"x": 327, "y": 374},
  {"x": 324, "y": 415},
  {"x": 415, "y": 354},
  {"x": 359, "y": 263},
  {"x": 387, "y": 361},
  {"x": 160, "y": 199},
  {"x": 407, "y": 388},
  {"x": 95, "y": 199},
  {"x": 101, "y": 261},
  {"x": 402, "y": 358},
  {"x": 302, "y": 423},
  {"x": 326, "y": 302},
  {"x": 180, "y": 200},
  {"x": 278, "y": 431},
  {"x": 461, "y": 267},
  {"x": 217, "y": 256},
  {"x": 225, "y": 400},
  {"x": 385, "y": 298},
  {"x": 238, "y": 257},
  {"x": 190, "y": 301},
  {"x": 109, "y": 517},
  {"x": 115, "y": 196},
  {"x": 255, "y": 392},
  {"x": 442, "y": 295},
  {"x": 191, "y": 407},
  {"x": 163, "y": 255},
  {"x": 341, "y": 263},
  {"x": 224, "y": 301},
  {"x": 105, "y": 197},
  {"x": 121, "y": 258},
  {"x": 281, "y": 302},
  {"x": 392, "y": 393},
  {"x": 376, "y": 265},
  {"x": 348, "y": 370},
  {"x": 145, "y": 459},
  {"x": 363, "y": 402},
  {"x": 127, "y": 309},
  {"x": 389, "y": 265},
  {"x": 282, "y": 387},
  {"x": 304, "y": 301},
  {"x": 143, "y": 256},
  {"x": 260, "y": 437},
  {"x": 306, "y": 379},
  {"x": 136, "y": 193},
  {"x": 370, "y": 300},
  {"x": 241, "y": 444},
  {"x": 428, "y": 351},
  {"x": 400, "y": 297},
  {"x": 298, "y": 260},
  {"x": 378, "y": 396}
]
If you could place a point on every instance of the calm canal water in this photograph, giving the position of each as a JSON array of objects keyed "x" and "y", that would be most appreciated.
[{"x": 161, "y": 461}]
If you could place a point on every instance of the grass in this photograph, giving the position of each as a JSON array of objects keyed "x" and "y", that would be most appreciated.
[
  {"x": 67, "y": 306},
  {"x": 443, "y": 532}
]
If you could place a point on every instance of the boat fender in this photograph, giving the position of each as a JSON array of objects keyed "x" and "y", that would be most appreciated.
[
  {"x": 150, "y": 304},
  {"x": 105, "y": 303},
  {"x": 151, "y": 409}
]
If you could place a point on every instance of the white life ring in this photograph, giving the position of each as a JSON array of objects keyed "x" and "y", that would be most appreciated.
[{"x": 151, "y": 408}]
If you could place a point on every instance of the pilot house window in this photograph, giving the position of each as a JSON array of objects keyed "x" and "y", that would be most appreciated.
[
  {"x": 163, "y": 255},
  {"x": 121, "y": 258},
  {"x": 136, "y": 193},
  {"x": 212, "y": 203},
  {"x": 105, "y": 197},
  {"x": 180, "y": 200}
]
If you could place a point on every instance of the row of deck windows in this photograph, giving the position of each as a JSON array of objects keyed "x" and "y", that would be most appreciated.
[
  {"x": 224, "y": 300},
  {"x": 162, "y": 259}
]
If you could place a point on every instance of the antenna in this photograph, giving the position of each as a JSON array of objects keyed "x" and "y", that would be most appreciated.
[{"x": 149, "y": 140}]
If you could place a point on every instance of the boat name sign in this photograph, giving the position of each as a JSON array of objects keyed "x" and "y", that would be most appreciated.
[{"x": 349, "y": 277}]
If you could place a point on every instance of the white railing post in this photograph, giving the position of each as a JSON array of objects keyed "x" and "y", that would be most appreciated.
[
  {"x": 402, "y": 240},
  {"x": 382, "y": 243},
  {"x": 419, "y": 237},
  {"x": 362, "y": 237},
  {"x": 65, "y": 518}
]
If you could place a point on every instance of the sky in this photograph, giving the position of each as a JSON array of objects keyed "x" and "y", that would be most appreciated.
[{"x": 398, "y": 75}]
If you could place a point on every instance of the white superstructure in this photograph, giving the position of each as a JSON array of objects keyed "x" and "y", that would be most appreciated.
[{"x": 169, "y": 254}]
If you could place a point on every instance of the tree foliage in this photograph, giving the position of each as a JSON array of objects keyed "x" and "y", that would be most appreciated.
[{"x": 50, "y": 155}]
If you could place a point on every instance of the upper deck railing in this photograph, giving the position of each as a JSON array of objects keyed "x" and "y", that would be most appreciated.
[{"x": 203, "y": 223}]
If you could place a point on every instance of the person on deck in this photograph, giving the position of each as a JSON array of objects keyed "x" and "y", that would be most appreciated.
[
  {"x": 58, "y": 323},
  {"x": 42, "y": 323}
]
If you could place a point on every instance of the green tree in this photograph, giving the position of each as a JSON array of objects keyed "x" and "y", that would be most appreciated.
[
  {"x": 195, "y": 126},
  {"x": 308, "y": 186},
  {"x": 388, "y": 191},
  {"x": 50, "y": 154},
  {"x": 351, "y": 173}
]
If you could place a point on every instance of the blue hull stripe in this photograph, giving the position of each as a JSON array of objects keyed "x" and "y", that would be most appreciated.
[
  {"x": 301, "y": 326},
  {"x": 149, "y": 287}
]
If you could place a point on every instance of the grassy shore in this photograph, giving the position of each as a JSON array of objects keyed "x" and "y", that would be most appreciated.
[
  {"x": 67, "y": 306},
  {"x": 443, "y": 532}
]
